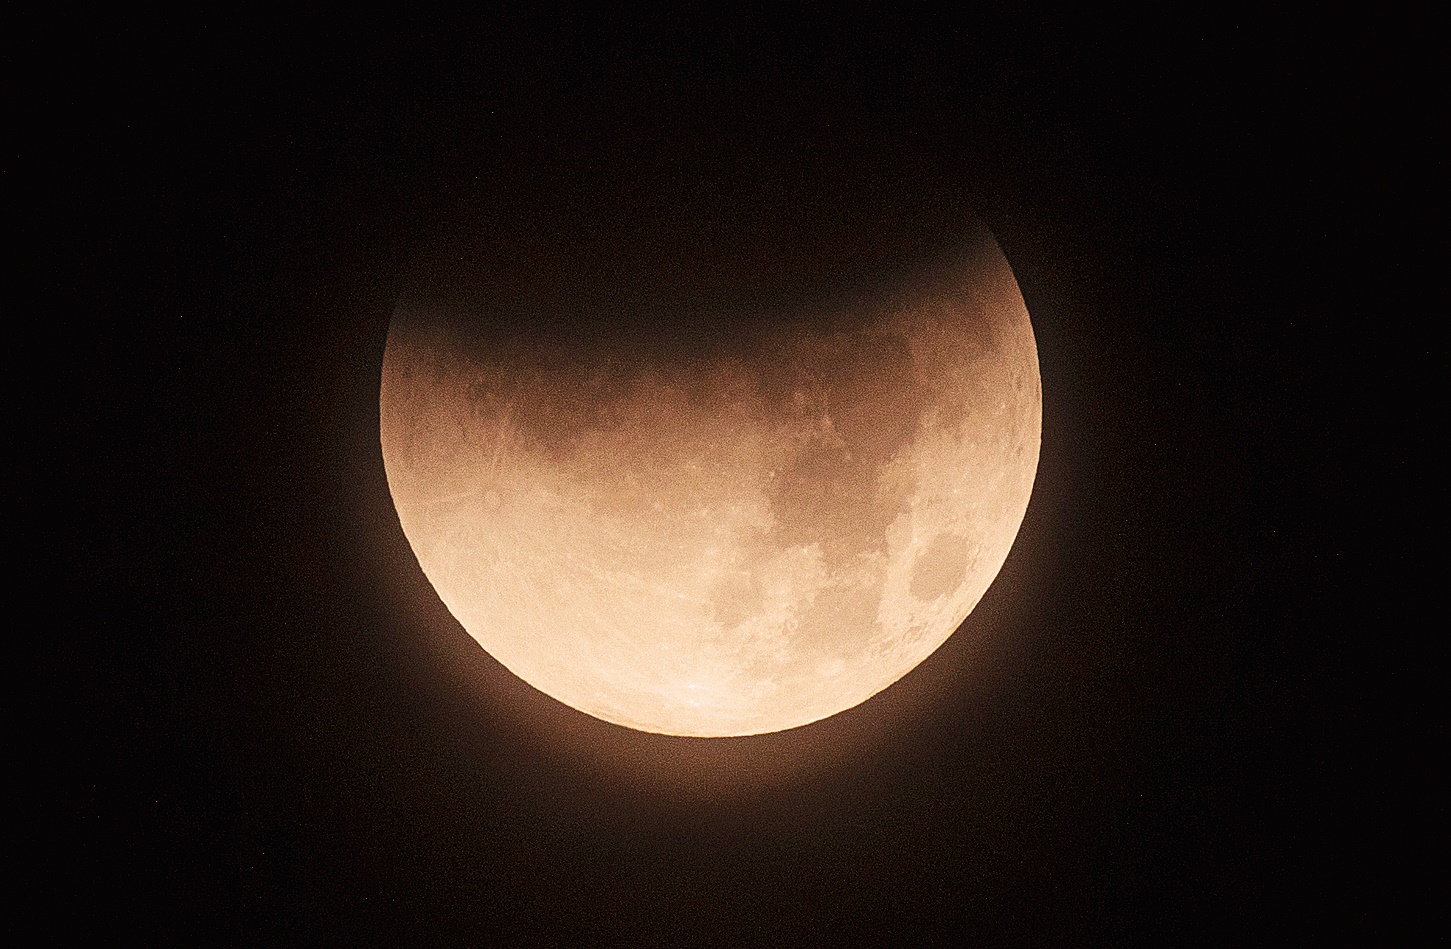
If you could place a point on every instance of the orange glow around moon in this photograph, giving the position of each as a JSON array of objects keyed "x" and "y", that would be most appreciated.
[{"x": 724, "y": 545}]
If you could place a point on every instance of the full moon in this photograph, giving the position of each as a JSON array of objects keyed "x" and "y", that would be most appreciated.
[{"x": 736, "y": 540}]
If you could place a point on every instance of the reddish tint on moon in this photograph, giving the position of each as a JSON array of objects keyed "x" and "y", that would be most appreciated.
[{"x": 733, "y": 543}]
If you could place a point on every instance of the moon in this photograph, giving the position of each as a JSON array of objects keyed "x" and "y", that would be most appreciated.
[{"x": 728, "y": 542}]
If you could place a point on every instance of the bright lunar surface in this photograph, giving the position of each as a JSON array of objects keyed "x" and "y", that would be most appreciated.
[{"x": 733, "y": 543}]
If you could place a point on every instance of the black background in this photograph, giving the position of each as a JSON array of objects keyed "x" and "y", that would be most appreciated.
[{"x": 1185, "y": 712}]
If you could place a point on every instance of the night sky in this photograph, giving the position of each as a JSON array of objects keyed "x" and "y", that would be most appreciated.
[{"x": 1187, "y": 711}]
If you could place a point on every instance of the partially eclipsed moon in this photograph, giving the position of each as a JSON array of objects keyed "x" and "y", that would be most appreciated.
[{"x": 728, "y": 544}]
